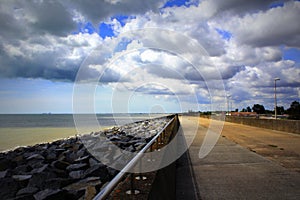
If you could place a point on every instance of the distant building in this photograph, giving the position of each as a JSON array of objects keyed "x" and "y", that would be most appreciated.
[{"x": 244, "y": 114}]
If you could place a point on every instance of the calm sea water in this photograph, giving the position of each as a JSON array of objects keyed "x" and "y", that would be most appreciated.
[
  {"x": 29, "y": 129},
  {"x": 66, "y": 120}
]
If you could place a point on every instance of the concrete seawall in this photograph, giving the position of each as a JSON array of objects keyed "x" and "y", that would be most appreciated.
[{"x": 291, "y": 126}]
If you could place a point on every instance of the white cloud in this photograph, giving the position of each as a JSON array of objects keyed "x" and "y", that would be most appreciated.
[
  {"x": 38, "y": 39},
  {"x": 275, "y": 26}
]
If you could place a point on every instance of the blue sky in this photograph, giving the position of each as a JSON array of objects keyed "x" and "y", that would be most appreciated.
[{"x": 248, "y": 43}]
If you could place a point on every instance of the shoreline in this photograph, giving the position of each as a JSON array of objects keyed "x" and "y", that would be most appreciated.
[
  {"x": 13, "y": 138},
  {"x": 72, "y": 168}
]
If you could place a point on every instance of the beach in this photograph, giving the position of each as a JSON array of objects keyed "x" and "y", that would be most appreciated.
[{"x": 11, "y": 138}]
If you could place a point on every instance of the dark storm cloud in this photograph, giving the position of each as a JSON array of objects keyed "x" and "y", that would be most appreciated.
[
  {"x": 240, "y": 6},
  {"x": 99, "y": 10}
]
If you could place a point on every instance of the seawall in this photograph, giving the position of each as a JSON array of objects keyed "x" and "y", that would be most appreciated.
[{"x": 291, "y": 126}]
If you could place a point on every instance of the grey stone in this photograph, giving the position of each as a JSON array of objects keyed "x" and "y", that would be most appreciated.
[
  {"x": 84, "y": 158},
  {"x": 22, "y": 169},
  {"x": 27, "y": 190},
  {"x": 58, "y": 183},
  {"x": 8, "y": 188},
  {"x": 82, "y": 184},
  {"x": 36, "y": 157},
  {"x": 3, "y": 173},
  {"x": 93, "y": 162},
  {"x": 5, "y": 164},
  {"x": 80, "y": 153},
  {"x": 98, "y": 170},
  {"x": 48, "y": 194},
  {"x": 51, "y": 156},
  {"x": 21, "y": 177},
  {"x": 76, "y": 174},
  {"x": 74, "y": 167},
  {"x": 59, "y": 164},
  {"x": 40, "y": 169},
  {"x": 38, "y": 180}
]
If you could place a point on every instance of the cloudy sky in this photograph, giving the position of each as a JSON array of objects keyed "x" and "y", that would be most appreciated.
[{"x": 147, "y": 56}]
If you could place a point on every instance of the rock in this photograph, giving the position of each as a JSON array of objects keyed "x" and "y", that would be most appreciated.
[
  {"x": 74, "y": 167},
  {"x": 93, "y": 162},
  {"x": 24, "y": 197},
  {"x": 38, "y": 180},
  {"x": 21, "y": 177},
  {"x": 98, "y": 170},
  {"x": 18, "y": 159},
  {"x": 50, "y": 194},
  {"x": 131, "y": 149},
  {"x": 81, "y": 159},
  {"x": 40, "y": 169},
  {"x": 22, "y": 169},
  {"x": 35, "y": 163},
  {"x": 112, "y": 172},
  {"x": 51, "y": 156},
  {"x": 36, "y": 157},
  {"x": 82, "y": 184},
  {"x": 58, "y": 183},
  {"x": 8, "y": 188},
  {"x": 76, "y": 174},
  {"x": 5, "y": 164},
  {"x": 70, "y": 156},
  {"x": 27, "y": 190},
  {"x": 114, "y": 138},
  {"x": 59, "y": 164},
  {"x": 3, "y": 173}
]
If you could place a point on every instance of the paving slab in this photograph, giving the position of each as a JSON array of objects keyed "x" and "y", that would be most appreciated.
[{"x": 230, "y": 171}]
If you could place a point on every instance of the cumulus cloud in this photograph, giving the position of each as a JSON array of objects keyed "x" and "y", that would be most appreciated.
[
  {"x": 41, "y": 39},
  {"x": 273, "y": 27}
]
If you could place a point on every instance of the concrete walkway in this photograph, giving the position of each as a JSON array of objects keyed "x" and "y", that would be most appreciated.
[{"x": 230, "y": 171}]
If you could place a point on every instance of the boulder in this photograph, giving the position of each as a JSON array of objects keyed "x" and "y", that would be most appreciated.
[
  {"x": 39, "y": 180},
  {"x": 8, "y": 188},
  {"x": 51, "y": 194},
  {"x": 51, "y": 156},
  {"x": 93, "y": 162},
  {"x": 36, "y": 157},
  {"x": 82, "y": 159},
  {"x": 22, "y": 169},
  {"x": 40, "y": 169},
  {"x": 98, "y": 170},
  {"x": 76, "y": 174},
  {"x": 59, "y": 164},
  {"x": 74, "y": 167},
  {"x": 58, "y": 183},
  {"x": 27, "y": 190},
  {"x": 82, "y": 184},
  {"x": 3, "y": 173},
  {"x": 21, "y": 177}
]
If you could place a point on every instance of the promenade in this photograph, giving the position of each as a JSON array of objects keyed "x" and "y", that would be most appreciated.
[{"x": 246, "y": 163}]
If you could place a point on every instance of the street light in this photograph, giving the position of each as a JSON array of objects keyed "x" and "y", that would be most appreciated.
[
  {"x": 228, "y": 96},
  {"x": 275, "y": 98}
]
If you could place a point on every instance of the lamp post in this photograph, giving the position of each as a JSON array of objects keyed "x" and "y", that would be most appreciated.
[
  {"x": 228, "y": 96},
  {"x": 275, "y": 97}
]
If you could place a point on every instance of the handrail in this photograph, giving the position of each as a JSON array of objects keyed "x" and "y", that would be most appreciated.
[{"x": 112, "y": 184}]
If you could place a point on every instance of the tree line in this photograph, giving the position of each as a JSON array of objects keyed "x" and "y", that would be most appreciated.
[{"x": 293, "y": 111}]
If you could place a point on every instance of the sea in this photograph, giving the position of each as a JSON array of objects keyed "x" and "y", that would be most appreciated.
[{"x": 29, "y": 129}]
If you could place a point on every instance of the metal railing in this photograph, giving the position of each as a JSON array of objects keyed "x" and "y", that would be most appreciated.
[{"x": 113, "y": 183}]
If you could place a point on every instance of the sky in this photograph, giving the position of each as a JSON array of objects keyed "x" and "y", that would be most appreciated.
[{"x": 147, "y": 56}]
